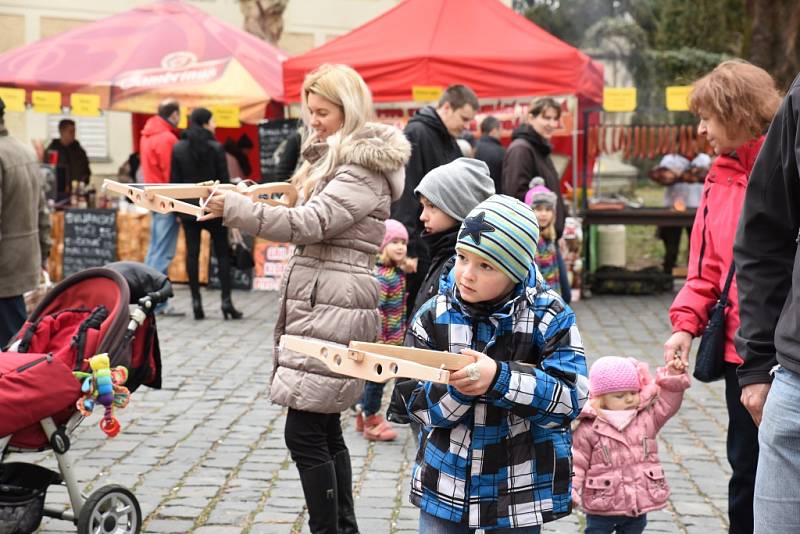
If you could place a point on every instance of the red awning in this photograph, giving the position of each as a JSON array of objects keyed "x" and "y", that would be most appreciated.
[
  {"x": 135, "y": 59},
  {"x": 481, "y": 43}
]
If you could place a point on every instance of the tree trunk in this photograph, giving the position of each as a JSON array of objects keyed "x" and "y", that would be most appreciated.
[
  {"x": 775, "y": 41},
  {"x": 264, "y": 18}
]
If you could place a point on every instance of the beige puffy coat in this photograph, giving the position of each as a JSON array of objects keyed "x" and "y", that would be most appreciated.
[{"x": 328, "y": 291}]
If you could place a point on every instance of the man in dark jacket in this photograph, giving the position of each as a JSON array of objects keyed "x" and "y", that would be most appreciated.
[
  {"x": 432, "y": 133},
  {"x": 490, "y": 151},
  {"x": 72, "y": 158},
  {"x": 768, "y": 340},
  {"x": 24, "y": 229},
  {"x": 528, "y": 156}
]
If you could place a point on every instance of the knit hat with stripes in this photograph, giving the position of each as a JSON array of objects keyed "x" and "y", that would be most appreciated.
[{"x": 504, "y": 231}]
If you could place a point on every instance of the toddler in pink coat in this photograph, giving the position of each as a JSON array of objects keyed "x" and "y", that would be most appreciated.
[{"x": 618, "y": 476}]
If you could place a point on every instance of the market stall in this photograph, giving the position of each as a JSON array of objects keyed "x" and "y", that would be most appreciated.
[{"x": 131, "y": 62}]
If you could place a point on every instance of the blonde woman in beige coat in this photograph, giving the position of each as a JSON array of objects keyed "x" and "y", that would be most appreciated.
[{"x": 353, "y": 171}]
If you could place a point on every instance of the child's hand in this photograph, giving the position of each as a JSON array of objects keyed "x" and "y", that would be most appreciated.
[
  {"x": 676, "y": 366},
  {"x": 409, "y": 265},
  {"x": 484, "y": 369}
]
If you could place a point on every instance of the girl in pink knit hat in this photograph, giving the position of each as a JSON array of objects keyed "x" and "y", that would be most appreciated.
[
  {"x": 618, "y": 476},
  {"x": 543, "y": 202}
]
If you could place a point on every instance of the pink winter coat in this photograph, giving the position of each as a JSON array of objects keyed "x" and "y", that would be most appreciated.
[
  {"x": 711, "y": 247},
  {"x": 618, "y": 472}
]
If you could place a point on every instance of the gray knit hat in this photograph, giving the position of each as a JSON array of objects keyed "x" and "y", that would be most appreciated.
[{"x": 457, "y": 187}]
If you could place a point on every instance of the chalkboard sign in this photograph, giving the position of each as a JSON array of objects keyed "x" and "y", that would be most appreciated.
[
  {"x": 90, "y": 239},
  {"x": 270, "y": 135},
  {"x": 240, "y": 279}
]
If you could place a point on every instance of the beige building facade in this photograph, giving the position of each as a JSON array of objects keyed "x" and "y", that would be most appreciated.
[{"x": 307, "y": 24}]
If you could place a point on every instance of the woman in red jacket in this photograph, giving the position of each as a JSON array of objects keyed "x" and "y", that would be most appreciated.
[{"x": 735, "y": 102}]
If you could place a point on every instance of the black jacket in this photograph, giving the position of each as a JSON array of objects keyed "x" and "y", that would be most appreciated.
[
  {"x": 528, "y": 156},
  {"x": 442, "y": 247},
  {"x": 73, "y": 159},
  {"x": 431, "y": 146},
  {"x": 198, "y": 157},
  {"x": 765, "y": 252},
  {"x": 489, "y": 150}
]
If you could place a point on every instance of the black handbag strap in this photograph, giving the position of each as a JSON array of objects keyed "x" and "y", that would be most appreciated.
[{"x": 723, "y": 297}]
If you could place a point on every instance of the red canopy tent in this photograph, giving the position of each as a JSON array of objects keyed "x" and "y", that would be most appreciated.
[{"x": 480, "y": 43}]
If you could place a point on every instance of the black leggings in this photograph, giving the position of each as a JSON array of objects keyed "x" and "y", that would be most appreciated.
[
  {"x": 313, "y": 438},
  {"x": 219, "y": 240}
]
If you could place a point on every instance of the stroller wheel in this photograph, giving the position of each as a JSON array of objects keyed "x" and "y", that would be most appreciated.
[{"x": 110, "y": 510}]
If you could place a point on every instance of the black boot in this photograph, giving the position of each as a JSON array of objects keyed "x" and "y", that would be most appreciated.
[
  {"x": 197, "y": 305},
  {"x": 228, "y": 309},
  {"x": 344, "y": 487},
  {"x": 319, "y": 488}
]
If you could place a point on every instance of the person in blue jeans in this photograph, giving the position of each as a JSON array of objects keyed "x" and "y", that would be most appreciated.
[
  {"x": 766, "y": 255},
  {"x": 159, "y": 136}
]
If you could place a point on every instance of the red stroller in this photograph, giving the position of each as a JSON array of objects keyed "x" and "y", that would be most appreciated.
[{"x": 101, "y": 310}]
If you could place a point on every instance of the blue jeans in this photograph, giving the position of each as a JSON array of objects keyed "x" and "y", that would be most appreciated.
[
  {"x": 371, "y": 399},
  {"x": 607, "y": 524},
  {"x": 430, "y": 524},
  {"x": 163, "y": 238},
  {"x": 777, "y": 493}
]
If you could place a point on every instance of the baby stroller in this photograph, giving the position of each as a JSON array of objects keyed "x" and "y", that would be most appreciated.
[{"x": 99, "y": 310}]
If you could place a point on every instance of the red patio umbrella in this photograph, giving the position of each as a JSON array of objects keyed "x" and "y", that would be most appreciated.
[{"x": 135, "y": 59}]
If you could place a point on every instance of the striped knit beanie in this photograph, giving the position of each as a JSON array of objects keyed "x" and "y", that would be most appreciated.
[{"x": 504, "y": 231}]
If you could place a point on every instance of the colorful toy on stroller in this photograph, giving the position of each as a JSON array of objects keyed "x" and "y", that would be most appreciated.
[{"x": 48, "y": 385}]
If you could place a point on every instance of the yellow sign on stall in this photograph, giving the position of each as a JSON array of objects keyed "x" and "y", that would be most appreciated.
[
  {"x": 183, "y": 122},
  {"x": 226, "y": 116},
  {"x": 678, "y": 97},
  {"x": 619, "y": 98},
  {"x": 13, "y": 98},
  {"x": 46, "y": 102},
  {"x": 426, "y": 93},
  {"x": 85, "y": 105}
]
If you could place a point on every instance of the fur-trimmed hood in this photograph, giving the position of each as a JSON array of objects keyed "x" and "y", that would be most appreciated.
[{"x": 376, "y": 147}]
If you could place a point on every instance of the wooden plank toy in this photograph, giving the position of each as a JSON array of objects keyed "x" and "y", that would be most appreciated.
[
  {"x": 377, "y": 362},
  {"x": 166, "y": 198}
]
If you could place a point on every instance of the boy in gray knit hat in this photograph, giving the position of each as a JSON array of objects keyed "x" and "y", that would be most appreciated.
[{"x": 447, "y": 194}]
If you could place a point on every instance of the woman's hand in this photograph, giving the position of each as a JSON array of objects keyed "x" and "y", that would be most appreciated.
[
  {"x": 484, "y": 369},
  {"x": 214, "y": 206},
  {"x": 678, "y": 346}
]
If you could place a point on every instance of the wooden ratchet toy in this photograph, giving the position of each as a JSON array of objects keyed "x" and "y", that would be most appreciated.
[
  {"x": 166, "y": 198},
  {"x": 377, "y": 362}
]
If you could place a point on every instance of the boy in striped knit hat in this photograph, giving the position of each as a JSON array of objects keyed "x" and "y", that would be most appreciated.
[
  {"x": 495, "y": 444},
  {"x": 392, "y": 309}
]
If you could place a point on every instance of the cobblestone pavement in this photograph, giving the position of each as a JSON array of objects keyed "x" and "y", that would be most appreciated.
[{"x": 205, "y": 454}]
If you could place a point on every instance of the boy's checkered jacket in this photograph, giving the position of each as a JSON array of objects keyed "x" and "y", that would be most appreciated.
[{"x": 502, "y": 459}]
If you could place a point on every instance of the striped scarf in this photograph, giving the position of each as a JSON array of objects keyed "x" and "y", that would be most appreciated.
[
  {"x": 547, "y": 261},
  {"x": 392, "y": 303}
]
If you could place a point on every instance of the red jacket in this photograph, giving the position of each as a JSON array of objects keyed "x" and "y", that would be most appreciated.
[
  {"x": 711, "y": 247},
  {"x": 158, "y": 138}
]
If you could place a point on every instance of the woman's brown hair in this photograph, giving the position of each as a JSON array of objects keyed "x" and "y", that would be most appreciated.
[{"x": 739, "y": 95}]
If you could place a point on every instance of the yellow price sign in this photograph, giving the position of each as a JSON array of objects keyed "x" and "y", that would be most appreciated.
[
  {"x": 183, "y": 122},
  {"x": 619, "y": 98},
  {"x": 13, "y": 98},
  {"x": 426, "y": 93},
  {"x": 86, "y": 105},
  {"x": 46, "y": 102},
  {"x": 226, "y": 116},
  {"x": 678, "y": 97}
]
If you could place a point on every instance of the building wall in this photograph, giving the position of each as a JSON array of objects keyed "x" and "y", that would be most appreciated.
[{"x": 307, "y": 24}]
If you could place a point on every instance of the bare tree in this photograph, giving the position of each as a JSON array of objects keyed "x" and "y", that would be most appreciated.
[
  {"x": 775, "y": 38},
  {"x": 264, "y": 18}
]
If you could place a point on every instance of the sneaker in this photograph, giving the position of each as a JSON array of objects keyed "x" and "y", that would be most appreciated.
[
  {"x": 169, "y": 311},
  {"x": 359, "y": 422},
  {"x": 376, "y": 428}
]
